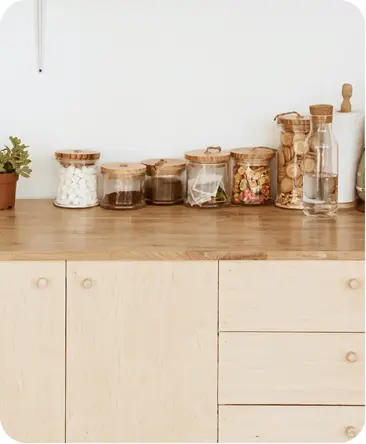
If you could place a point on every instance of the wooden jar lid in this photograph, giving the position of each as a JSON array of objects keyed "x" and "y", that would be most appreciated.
[
  {"x": 123, "y": 169},
  {"x": 321, "y": 113},
  {"x": 67, "y": 156},
  {"x": 293, "y": 119},
  {"x": 211, "y": 154},
  {"x": 155, "y": 166},
  {"x": 258, "y": 152}
]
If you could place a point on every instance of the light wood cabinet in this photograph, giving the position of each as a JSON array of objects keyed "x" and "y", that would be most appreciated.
[
  {"x": 32, "y": 350},
  {"x": 154, "y": 351},
  {"x": 290, "y": 423},
  {"x": 326, "y": 296},
  {"x": 292, "y": 368},
  {"x": 142, "y": 352}
]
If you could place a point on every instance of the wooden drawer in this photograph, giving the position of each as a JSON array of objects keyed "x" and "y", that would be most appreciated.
[
  {"x": 291, "y": 368},
  {"x": 292, "y": 296},
  {"x": 290, "y": 423}
]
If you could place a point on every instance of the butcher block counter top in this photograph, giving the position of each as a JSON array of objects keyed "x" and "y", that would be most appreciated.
[{"x": 36, "y": 230}]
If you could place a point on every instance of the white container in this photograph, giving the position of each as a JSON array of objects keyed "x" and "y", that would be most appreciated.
[
  {"x": 77, "y": 179},
  {"x": 348, "y": 129}
]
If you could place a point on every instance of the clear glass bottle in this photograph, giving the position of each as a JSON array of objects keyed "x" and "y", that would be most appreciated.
[
  {"x": 251, "y": 176},
  {"x": 320, "y": 165},
  {"x": 122, "y": 186},
  {"x": 208, "y": 184},
  {"x": 77, "y": 179},
  {"x": 165, "y": 181}
]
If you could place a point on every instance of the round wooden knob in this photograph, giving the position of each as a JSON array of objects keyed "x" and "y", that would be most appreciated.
[
  {"x": 351, "y": 357},
  {"x": 353, "y": 284},
  {"x": 351, "y": 431},
  {"x": 87, "y": 283},
  {"x": 42, "y": 283}
]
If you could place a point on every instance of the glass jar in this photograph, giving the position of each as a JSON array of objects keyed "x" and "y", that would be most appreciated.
[
  {"x": 294, "y": 129},
  {"x": 122, "y": 186},
  {"x": 360, "y": 183},
  {"x": 320, "y": 165},
  {"x": 208, "y": 184},
  {"x": 165, "y": 181},
  {"x": 251, "y": 176},
  {"x": 77, "y": 179}
]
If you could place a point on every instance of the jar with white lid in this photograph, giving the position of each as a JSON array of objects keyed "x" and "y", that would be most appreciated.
[
  {"x": 122, "y": 186},
  {"x": 77, "y": 179},
  {"x": 251, "y": 175},
  {"x": 165, "y": 181},
  {"x": 208, "y": 184}
]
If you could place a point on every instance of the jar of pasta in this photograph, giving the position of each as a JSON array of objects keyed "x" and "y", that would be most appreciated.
[
  {"x": 294, "y": 129},
  {"x": 251, "y": 176},
  {"x": 208, "y": 184}
]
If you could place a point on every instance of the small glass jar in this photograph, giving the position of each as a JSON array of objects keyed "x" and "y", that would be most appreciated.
[
  {"x": 122, "y": 186},
  {"x": 294, "y": 129},
  {"x": 165, "y": 181},
  {"x": 251, "y": 176},
  {"x": 77, "y": 179},
  {"x": 208, "y": 184}
]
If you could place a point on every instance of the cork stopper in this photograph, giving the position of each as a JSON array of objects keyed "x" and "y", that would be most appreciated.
[
  {"x": 164, "y": 166},
  {"x": 321, "y": 113},
  {"x": 293, "y": 121},
  {"x": 212, "y": 154},
  {"x": 123, "y": 169},
  {"x": 258, "y": 152}
]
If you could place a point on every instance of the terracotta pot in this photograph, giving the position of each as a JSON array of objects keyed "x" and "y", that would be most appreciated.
[{"x": 8, "y": 188}]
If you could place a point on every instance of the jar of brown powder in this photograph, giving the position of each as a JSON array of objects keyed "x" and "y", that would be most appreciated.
[
  {"x": 165, "y": 181},
  {"x": 122, "y": 186}
]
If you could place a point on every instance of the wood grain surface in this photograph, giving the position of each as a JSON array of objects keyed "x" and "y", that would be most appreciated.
[
  {"x": 142, "y": 352},
  {"x": 36, "y": 230}
]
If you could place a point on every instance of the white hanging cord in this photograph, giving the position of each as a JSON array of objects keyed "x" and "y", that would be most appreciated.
[{"x": 40, "y": 35}]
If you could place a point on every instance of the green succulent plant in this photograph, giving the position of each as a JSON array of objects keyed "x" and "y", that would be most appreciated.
[{"x": 15, "y": 159}]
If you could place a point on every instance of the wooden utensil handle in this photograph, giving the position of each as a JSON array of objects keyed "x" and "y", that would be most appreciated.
[{"x": 347, "y": 90}]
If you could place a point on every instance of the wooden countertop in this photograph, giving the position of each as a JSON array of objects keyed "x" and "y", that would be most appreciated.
[{"x": 36, "y": 230}]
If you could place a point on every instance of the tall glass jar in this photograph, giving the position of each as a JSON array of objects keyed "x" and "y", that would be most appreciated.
[
  {"x": 294, "y": 129},
  {"x": 77, "y": 179},
  {"x": 165, "y": 181},
  {"x": 251, "y": 176},
  {"x": 208, "y": 184},
  {"x": 321, "y": 165},
  {"x": 122, "y": 186}
]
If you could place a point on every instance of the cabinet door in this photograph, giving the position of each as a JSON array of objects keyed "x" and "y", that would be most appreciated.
[
  {"x": 142, "y": 352},
  {"x": 32, "y": 350}
]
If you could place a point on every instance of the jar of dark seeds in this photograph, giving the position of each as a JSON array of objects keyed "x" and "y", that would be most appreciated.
[
  {"x": 165, "y": 181},
  {"x": 122, "y": 186}
]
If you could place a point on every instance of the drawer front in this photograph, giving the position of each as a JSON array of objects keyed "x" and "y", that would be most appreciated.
[
  {"x": 291, "y": 368},
  {"x": 290, "y": 423},
  {"x": 292, "y": 296}
]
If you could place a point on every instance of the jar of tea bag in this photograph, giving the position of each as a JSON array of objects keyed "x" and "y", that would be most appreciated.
[
  {"x": 251, "y": 176},
  {"x": 122, "y": 186},
  {"x": 165, "y": 181},
  {"x": 77, "y": 179},
  {"x": 294, "y": 129},
  {"x": 208, "y": 184}
]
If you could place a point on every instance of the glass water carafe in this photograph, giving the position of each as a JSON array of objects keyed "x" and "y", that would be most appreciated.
[{"x": 320, "y": 165}]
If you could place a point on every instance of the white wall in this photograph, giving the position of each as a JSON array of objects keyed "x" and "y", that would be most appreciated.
[{"x": 146, "y": 78}]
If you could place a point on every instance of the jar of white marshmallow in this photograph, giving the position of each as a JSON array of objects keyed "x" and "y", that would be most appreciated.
[{"x": 77, "y": 179}]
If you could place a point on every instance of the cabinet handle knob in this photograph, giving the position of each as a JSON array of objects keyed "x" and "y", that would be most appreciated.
[
  {"x": 351, "y": 432},
  {"x": 87, "y": 283},
  {"x": 353, "y": 284},
  {"x": 351, "y": 356},
  {"x": 42, "y": 283}
]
